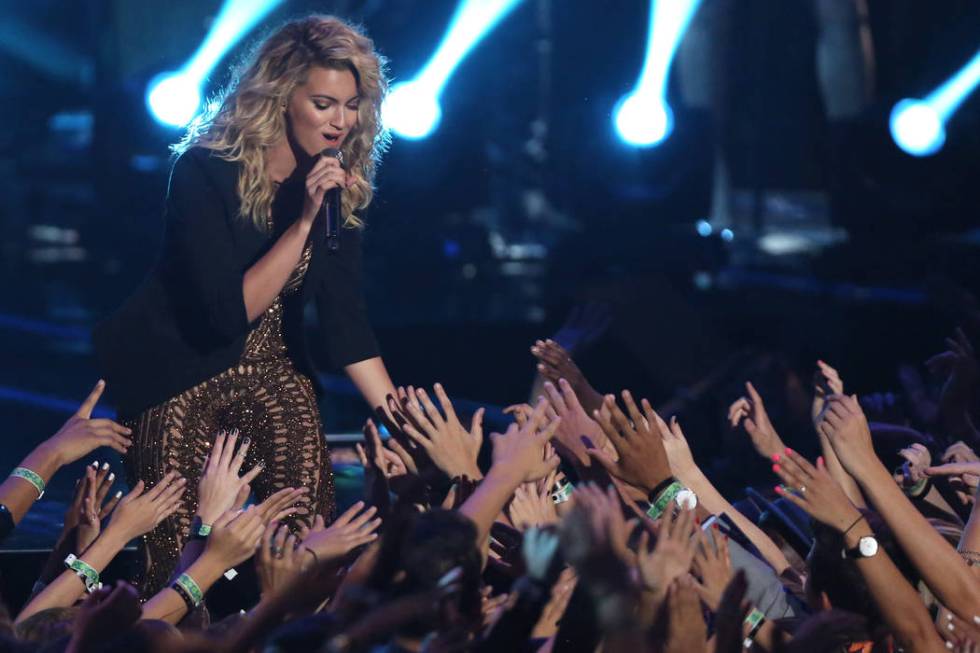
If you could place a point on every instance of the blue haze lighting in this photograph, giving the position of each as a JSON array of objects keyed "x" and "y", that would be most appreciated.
[
  {"x": 642, "y": 117},
  {"x": 704, "y": 228},
  {"x": 411, "y": 109},
  {"x": 174, "y": 98},
  {"x": 919, "y": 126},
  {"x": 727, "y": 235}
]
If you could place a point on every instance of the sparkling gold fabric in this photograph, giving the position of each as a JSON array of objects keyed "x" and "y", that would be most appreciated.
[{"x": 268, "y": 400}]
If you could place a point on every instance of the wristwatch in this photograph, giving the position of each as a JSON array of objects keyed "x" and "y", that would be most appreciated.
[{"x": 866, "y": 547}]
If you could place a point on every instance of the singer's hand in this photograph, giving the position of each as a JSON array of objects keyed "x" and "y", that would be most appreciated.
[{"x": 325, "y": 175}]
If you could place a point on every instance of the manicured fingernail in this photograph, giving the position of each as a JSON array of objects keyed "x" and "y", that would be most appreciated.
[
  {"x": 119, "y": 494},
  {"x": 775, "y": 468},
  {"x": 105, "y": 466},
  {"x": 950, "y": 626},
  {"x": 820, "y": 461},
  {"x": 112, "y": 477},
  {"x": 775, "y": 457},
  {"x": 976, "y": 620},
  {"x": 246, "y": 440},
  {"x": 95, "y": 463},
  {"x": 778, "y": 489},
  {"x": 949, "y": 645},
  {"x": 788, "y": 450}
]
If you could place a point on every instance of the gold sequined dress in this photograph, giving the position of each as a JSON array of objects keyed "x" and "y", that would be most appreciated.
[{"x": 268, "y": 401}]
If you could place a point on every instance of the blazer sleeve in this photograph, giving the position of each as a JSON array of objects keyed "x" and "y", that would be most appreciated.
[
  {"x": 202, "y": 249},
  {"x": 341, "y": 308}
]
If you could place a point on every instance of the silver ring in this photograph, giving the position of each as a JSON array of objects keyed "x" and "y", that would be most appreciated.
[{"x": 802, "y": 489}]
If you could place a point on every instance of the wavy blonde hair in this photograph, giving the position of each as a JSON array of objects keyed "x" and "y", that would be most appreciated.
[{"x": 246, "y": 118}]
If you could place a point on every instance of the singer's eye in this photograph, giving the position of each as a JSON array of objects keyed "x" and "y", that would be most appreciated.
[{"x": 321, "y": 107}]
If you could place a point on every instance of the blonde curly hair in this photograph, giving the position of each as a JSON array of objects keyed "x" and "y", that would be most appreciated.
[{"x": 246, "y": 117}]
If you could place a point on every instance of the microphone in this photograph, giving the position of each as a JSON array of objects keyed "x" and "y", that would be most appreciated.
[{"x": 330, "y": 209}]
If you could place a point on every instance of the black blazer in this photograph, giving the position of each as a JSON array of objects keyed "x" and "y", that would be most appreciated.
[{"x": 187, "y": 322}]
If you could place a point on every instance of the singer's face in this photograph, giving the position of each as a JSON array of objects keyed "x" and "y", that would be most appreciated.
[{"x": 323, "y": 111}]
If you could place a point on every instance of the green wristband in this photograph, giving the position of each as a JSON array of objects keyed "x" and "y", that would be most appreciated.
[
  {"x": 31, "y": 477},
  {"x": 562, "y": 494},
  {"x": 663, "y": 499},
  {"x": 754, "y": 622},
  {"x": 190, "y": 586},
  {"x": 84, "y": 571}
]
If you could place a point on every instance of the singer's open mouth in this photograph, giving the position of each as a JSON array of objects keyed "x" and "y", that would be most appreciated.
[{"x": 331, "y": 138}]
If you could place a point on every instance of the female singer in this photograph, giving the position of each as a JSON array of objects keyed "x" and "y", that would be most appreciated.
[{"x": 214, "y": 339}]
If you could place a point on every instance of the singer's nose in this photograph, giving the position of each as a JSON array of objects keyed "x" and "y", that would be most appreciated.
[{"x": 340, "y": 118}]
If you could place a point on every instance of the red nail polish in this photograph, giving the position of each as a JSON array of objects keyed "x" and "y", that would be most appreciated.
[
  {"x": 775, "y": 468},
  {"x": 778, "y": 489},
  {"x": 775, "y": 457},
  {"x": 820, "y": 461},
  {"x": 788, "y": 450}
]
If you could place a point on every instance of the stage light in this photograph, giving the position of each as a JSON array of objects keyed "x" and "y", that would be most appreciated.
[
  {"x": 642, "y": 117},
  {"x": 174, "y": 97},
  {"x": 411, "y": 109},
  {"x": 727, "y": 235},
  {"x": 919, "y": 126},
  {"x": 704, "y": 228}
]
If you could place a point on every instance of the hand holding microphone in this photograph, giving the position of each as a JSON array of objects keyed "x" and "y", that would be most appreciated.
[{"x": 324, "y": 184}]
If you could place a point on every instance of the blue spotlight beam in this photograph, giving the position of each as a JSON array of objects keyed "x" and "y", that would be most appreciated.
[
  {"x": 919, "y": 126},
  {"x": 237, "y": 18},
  {"x": 642, "y": 117},
  {"x": 412, "y": 108},
  {"x": 175, "y": 97}
]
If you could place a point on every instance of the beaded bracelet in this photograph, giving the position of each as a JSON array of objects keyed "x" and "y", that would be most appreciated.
[
  {"x": 86, "y": 572},
  {"x": 189, "y": 585},
  {"x": 659, "y": 505},
  {"x": 31, "y": 477},
  {"x": 754, "y": 621}
]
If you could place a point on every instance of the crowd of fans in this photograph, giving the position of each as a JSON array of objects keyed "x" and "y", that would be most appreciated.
[{"x": 586, "y": 525}]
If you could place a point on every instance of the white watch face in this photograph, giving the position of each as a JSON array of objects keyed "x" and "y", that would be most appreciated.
[
  {"x": 686, "y": 499},
  {"x": 868, "y": 546}
]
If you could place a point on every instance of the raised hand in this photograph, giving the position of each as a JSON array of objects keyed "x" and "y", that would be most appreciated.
[
  {"x": 713, "y": 567},
  {"x": 555, "y": 363},
  {"x": 523, "y": 451},
  {"x": 140, "y": 511},
  {"x": 451, "y": 447},
  {"x": 826, "y": 382},
  {"x": 963, "y": 477},
  {"x": 686, "y": 630},
  {"x": 278, "y": 560},
  {"x": 918, "y": 460},
  {"x": 577, "y": 432},
  {"x": 846, "y": 429},
  {"x": 90, "y": 506},
  {"x": 220, "y": 483},
  {"x": 750, "y": 411},
  {"x": 352, "y": 529},
  {"x": 235, "y": 536},
  {"x": 532, "y": 505},
  {"x": 678, "y": 450},
  {"x": 376, "y": 458},
  {"x": 279, "y": 505},
  {"x": 540, "y": 551},
  {"x": 642, "y": 460},
  {"x": 814, "y": 490},
  {"x": 672, "y": 555},
  {"x": 81, "y": 434}
]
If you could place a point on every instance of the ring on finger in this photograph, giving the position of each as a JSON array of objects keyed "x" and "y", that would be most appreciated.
[{"x": 802, "y": 489}]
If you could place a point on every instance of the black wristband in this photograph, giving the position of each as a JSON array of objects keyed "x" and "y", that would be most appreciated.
[
  {"x": 661, "y": 486},
  {"x": 184, "y": 595}
]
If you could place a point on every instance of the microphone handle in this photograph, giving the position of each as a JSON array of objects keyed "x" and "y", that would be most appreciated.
[{"x": 331, "y": 219}]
